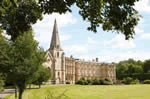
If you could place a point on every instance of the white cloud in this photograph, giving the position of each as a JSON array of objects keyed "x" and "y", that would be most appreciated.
[
  {"x": 43, "y": 29},
  {"x": 120, "y": 42},
  {"x": 139, "y": 30},
  {"x": 116, "y": 57},
  {"x": 145, "y": 36},
  {"x": 91, "y": 41},
  {"x": 75, "y": 49},
  {"x": 65, "y": 37},
  {"x": 143, "y": 6}
]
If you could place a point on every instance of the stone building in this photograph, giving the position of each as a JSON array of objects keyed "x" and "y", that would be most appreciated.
[{"x": 71, "y": 69}]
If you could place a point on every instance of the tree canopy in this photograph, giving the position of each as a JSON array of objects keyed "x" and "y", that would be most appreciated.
[
  {"x": 21, "y": 60},
  {"x": 17, "y": 16}
]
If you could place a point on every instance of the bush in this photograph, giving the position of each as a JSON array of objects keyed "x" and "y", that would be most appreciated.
[
  {"x": 89, "y": 81},
  {"x": 1, "y": 85},
  {"x": 81, "y": 82},
  {"x": 146, "y": 82},
  {"x": 85, "y": 82},
  {"x": 68, "y": 82},
  {"x": 101, "y": 81},
  {"x": 136, "y": 81},
  {"x": 130, "y": 80},
  {"x": 140, "y": 76},
  {"x": 108, "y": 81},
  {"x": 95, "y": 82}
]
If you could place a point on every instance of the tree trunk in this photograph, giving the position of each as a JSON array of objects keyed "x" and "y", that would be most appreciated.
[
  {"x": 20, "y": 93},
  {"x": 29, "y": 86},
  {"x": 15, "y": 91},
  {"x": 21, "y": 87},
  {"x": 39, "y": 85}
]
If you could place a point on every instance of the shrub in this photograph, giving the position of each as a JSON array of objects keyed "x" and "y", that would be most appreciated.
[
  {"x": 95, "y": 82},
  {"x": 68, "y": 82},
  {"x": 82, "y": 79},
  {"x": 108, "y": 81},
  {"x": 1, "y": 85},
  {"x": 85, "y": 82},
  {"x": 101, "y": 81},
  {"x": 81, "y": 82},
  {"x": 146, "y": 82},
  {"x": 89, "y": 81},
  {"x": 130, "y": 80},
  {"x": 136, "y": 81}
]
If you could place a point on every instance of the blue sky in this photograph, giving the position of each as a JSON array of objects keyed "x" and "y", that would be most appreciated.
[{"x": 76, "y": 40}]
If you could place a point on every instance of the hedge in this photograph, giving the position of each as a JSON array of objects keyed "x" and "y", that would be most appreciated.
[
  {"x": 95, "y": 82},
  {"x": 143, "y": 76},
  {"x": 146, "y": 82}
]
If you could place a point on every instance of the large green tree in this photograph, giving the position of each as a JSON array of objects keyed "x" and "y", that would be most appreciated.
[
  {"x": 114, "y": 15},
  {"x": 24, "y": 59},
  {"x": 146, "y": 66},
  {"x": 42, "y": 75}
]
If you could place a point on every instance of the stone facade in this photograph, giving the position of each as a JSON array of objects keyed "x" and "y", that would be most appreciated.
[{"x": 70, "y": 69}]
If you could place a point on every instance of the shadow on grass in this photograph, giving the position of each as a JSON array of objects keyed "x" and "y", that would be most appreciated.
[{"x": 61, "y": 96}]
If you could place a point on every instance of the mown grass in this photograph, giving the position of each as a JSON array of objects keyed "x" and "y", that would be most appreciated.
[{"x": 90, "y": 92}]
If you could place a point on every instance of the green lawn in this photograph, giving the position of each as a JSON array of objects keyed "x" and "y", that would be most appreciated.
[{"x": 90, "y": 92}]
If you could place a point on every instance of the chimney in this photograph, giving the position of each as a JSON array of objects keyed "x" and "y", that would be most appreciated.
[{"x": 96, "y": 59}]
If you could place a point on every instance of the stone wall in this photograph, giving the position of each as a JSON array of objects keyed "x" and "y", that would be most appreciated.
[{"x": 76, "y": 69}]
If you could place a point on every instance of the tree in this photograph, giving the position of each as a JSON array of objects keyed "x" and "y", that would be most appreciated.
[
  {"x": 43, "y": 75},
  {"x": 17, "y": 17},
  {"x": 121, "y": 68},
  {"x": 113, "y": 15},
  {"x": 146, "y": 66},
  {"x": 24, "y": 59}
]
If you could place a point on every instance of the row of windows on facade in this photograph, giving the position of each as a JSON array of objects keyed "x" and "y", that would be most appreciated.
[
  {"x": 91, "y": 73},
  {"x": 102, "y": 70},
  {"x": 89, "y": 69},
  {"x": 88, "y": 66}
]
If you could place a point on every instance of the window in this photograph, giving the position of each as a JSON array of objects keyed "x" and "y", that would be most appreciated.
[{"x": 57, "y": 54}]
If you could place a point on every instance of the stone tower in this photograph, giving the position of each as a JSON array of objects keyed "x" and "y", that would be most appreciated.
[{"x": 58, "y": 67}]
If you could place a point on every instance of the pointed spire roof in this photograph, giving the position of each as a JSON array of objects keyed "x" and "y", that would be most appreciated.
[{"x": 55, "y": 43}]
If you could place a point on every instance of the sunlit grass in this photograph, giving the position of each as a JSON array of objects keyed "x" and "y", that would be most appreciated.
[{"x": 90, "y": 92}]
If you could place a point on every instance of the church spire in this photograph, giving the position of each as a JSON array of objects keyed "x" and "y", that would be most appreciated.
[{"x": 55, "y": 43}]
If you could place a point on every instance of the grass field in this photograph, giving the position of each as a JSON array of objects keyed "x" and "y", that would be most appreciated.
[{"x": 90, "y": 92}]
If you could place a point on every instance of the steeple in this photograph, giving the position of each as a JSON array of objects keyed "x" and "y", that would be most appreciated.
[{"x": 55, "y": 43}]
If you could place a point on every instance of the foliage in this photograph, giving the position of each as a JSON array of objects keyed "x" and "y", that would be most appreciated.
[
  {"x": 95, "y": 82},
  {"x": 146, "y": 66},
  {"x": 140, "y": 76},
  {"x": 89, "y": 81},
  {"x": 22, "y": 61},
  {"x": 68, "y": 82},
  {"x": 1, "y": 85},
  {"x": 129, "y": 67},
  {"x": 130, "y": 80},
  {"x": 113, "y": 15},
  {"x": 17, "y": 18},
  {"x": 42, "y": 75},
  {"x": 146, "y": 82}
]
